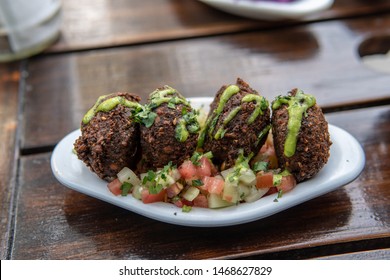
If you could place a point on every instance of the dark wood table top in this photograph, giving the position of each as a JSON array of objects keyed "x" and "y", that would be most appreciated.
[{"x": 138, "y": 46}]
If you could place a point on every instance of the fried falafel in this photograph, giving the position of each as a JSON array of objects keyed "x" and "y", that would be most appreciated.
[
  {"x": 173, "y": 132},
  {"x": 238, "y": 122},
  {"x": 109, "y": 137},
  {"x": 300, "y": 133}
]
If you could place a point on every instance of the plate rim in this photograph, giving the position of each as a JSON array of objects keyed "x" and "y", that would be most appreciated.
[{"x": 270, "y": 10}]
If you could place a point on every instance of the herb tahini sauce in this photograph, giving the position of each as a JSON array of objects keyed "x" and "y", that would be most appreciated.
[
  {"x": 188, "y": 123},
  {"x": 296, "y": 106},
  {"x": 145, "y": 115},
  {"x": 107, "y": 105},
  {"x": 261, "y": 104}
]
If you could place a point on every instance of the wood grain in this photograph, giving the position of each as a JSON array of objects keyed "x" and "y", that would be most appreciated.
[
  {"x": 54, "y": 222},
  {"x": 9, "y": 82},
  {"x": 136, "y": 46},
  {"x": 92, "y": 24},
  {"x": 320, "y": 58},
  {"x": 383, "y": 254}
]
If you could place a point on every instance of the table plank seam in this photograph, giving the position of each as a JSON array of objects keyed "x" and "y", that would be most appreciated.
[
  {"x": 244, "y": 30},
  {"x": 17, "y": 159}
]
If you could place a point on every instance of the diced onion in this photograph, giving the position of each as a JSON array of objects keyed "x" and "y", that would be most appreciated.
[
  {"x": 127, "y": 175},
  {"x": 226, "y": 172},
  {"x": 175, "y": 174}
]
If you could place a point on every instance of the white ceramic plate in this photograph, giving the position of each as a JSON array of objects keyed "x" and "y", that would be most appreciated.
[
  {"x": 344, "y": 165},
  {"x": 270, "y": 10}
]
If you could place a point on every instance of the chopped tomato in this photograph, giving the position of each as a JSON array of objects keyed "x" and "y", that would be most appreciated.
[
  {"x": 115, "y": 187},
  {"x": 271, "y": 191},
  {"x": 213, "y": 184},
  {"x": 201, "y": 201},
  {"x": 228, "y": 198},
  {"x": 203, "y": 186},
  {"x": 188, "y": 170},
  {"x": 179, "y": 203},
  {"x": 187, "y": 202},
  {"x": 267, "y": 153},
  {"x": 287, "y": 184},
  {"x": 264, "y": 180},
  {"x": 204, "y": 168},
  {"x": 148, "y": 197}
]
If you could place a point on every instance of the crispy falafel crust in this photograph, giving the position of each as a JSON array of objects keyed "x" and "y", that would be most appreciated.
[
  {"x": 239, "y": 135},
  {"x": 313, "y": 142},
  {"x": 158, "y": 142},
  {"x": 110, "y": 140}
]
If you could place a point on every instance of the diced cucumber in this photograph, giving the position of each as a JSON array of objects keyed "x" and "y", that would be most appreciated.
[
  {"x": 165, "y": 181},
  {"x": 216, "y": 201},
  {"x": 230, "y": 192},
  {"x": 243, "y": 190},
  {"x": 247, "y": 177},
  {"x": 137, "y": 191},
  {"x": 255, "y": 194},
  {"x": 191, "y": 193}
]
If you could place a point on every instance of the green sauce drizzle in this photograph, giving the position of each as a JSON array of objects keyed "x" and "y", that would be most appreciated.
[
  {"x": 262, "y": 134},
  {"x": 188, "y": 123},
  {"x": 107, "y": 105},
  {"x": 261, "y": 104},
  {"x": 226, "y": 95},
  {"x": 212, "y": 121},
  {"x": 160, "y": 96},
  {"x": 231, "y": 115},
  {"x": 277, "y": 178},
  {"x": 296, "y": 106},
  {"x": 221, "y": 131},
  {"x": 181, "y": 132}
]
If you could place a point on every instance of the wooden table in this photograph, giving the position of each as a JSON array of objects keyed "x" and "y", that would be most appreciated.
[{"x": 139, "y": 45}]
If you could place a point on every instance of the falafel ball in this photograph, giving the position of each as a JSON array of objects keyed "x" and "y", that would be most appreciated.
[
  {"x": 173, "y": 132},
  {"x": 109, "y": 137},
  {"x": 238, "y": 122},
  {"x": 301, "y": 137}
]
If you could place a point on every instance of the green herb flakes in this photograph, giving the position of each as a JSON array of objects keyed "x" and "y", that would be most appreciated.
[
  {"x": 195, "y": 158},
  {"x": 260, "y": 166},
  {"x": 197, "y": 183},
  {"x": 126, "y": 188},
  {"x": 150, "y": 176},
  {"x": 186, "y": 208},
  {"x": 145, "y": 116}
]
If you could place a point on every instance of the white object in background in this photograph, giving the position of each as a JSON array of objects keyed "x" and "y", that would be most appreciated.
[
  {"x": 269, "y": 10},
  {"x": 378, "y": 62},
  {"x": 27, "y": 27}
]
